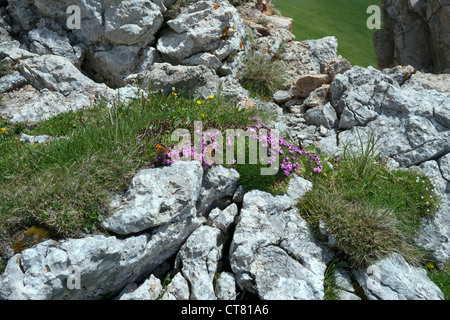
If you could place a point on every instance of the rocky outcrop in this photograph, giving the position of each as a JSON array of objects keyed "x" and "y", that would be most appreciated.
[
  {"x": 415, "y": 33},
  {"x": 45, "y": 86},
  {"x": 203, "y": 232},
  {"x": 282, "y": 260},
  {"x": 410, "y": 121}
]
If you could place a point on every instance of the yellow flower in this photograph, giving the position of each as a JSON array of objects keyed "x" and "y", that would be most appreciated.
[
  {"x": 3, "y": 130},
  {"x": 174, "y": 94},
  {"x": 430, "y": 265},
  {"x": 199, "y": 102},
  {"x": 202, "y": 115},
  {"x": 211, "y": 96}
]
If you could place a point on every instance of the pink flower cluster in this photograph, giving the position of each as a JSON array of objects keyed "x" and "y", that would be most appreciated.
[
  {"x": 291, "y": 154},
  {"x": 290, "y": 162}
]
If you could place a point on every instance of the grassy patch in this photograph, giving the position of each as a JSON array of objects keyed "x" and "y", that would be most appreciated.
[
  {"x": 372, "y": 211},
  {"x": 65, "y": 185},
  {"x": 331, "y": 290},
  {"x": 440, "y": 277},
  {"x": 345, "y": 19},
  {"x": 262, "y": 76}
]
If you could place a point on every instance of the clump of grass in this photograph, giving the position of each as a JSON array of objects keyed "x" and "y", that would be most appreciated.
[
  {"x": 262, "y": 76},
  {"x": 331, "y": 290},
  {"x": 372, "y": 211},
  {"x": 440, "y": 277},
  {"x": 263, "y": 21},
  {"x": 174, "y": 10},
  {"x": 6, "y": 66}
]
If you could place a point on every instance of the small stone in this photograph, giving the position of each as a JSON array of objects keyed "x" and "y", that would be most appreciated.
[
  {"x": 308, "y": 83},
  {"x": 318, "y": 97},
  {"x": 35, "y": 139},
  {"x": 336, "y": 66}
]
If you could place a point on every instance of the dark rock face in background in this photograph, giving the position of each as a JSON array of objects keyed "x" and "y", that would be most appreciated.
[{"x": 415, "y": 33}]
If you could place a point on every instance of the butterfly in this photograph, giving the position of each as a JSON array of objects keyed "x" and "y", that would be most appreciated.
[
  {"x": 161, "y": 150},
  {"x": 300, "y": 145},
  {"x": 208, "y": 155}
]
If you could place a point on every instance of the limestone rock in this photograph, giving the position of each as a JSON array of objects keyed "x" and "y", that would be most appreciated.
[
  {"x": 45, "y": 41},
  {"x": 415, "y": 33},
  {"x": 318, "y": 97},
  {"x": 12, "y": 81},
  {"x": 308, "y": 57},
  {"x": 419, "y": 80},
  {"x": 156, "y": 197},
  {"x": 322, "y": 116},
  {"x": 192, "y": 81},
  {"x": 226, "y": 287},
  {"x": 336, "y": 66},
  {"x": 308, "y": 83},
  {"x": 177, "y": 289},
  {"x": 395, "y": 279},
  {"x": 149, "y": 290},
  {"x": 202, "y": 27},
  {"x": 223, "y": 219},
  {"x": 43, "y": 272},
  {"x": 53, "y": 85},
  {"x": 200, "y": 257},
  {"x": 218, "y": 183},
  {"x": 444, "y": 165},
  {"x": 35, "y": 139},
  {"x": 132, "y": 22},
  {"x": 264, "y": 263}
]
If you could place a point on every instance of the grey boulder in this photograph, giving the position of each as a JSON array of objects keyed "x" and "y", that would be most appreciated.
[
  {"x": 156, "y": 197},
  {"x": 395, "y": 279}
]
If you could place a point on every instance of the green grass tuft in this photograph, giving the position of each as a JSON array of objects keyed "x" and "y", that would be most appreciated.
[
  {"x": 262, "y": 76},
  {"x": 372, "y": 211}
]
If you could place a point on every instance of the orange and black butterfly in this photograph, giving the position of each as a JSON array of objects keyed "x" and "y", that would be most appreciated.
[
  {"x": 208, "y": 157},
  {"x": 161, "y": 150},
  {"x": 300, "y": 145}
]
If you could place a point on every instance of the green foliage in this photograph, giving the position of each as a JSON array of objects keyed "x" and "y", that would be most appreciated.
[
  {"x": 371, "y": 210},
  {"x": 65, "y": 185},
  {"x": 251, "y": 179},
  {"x": 345, "y": 19},
  {"x": 6, "y": 66},
  {"x": 262, "y": 76},
  {"x": 440, "y": 277},
  {"x": 263, "y": 21}
]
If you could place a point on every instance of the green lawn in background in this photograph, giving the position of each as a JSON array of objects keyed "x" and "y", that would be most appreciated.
[{"x": 345, "y": 19}]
